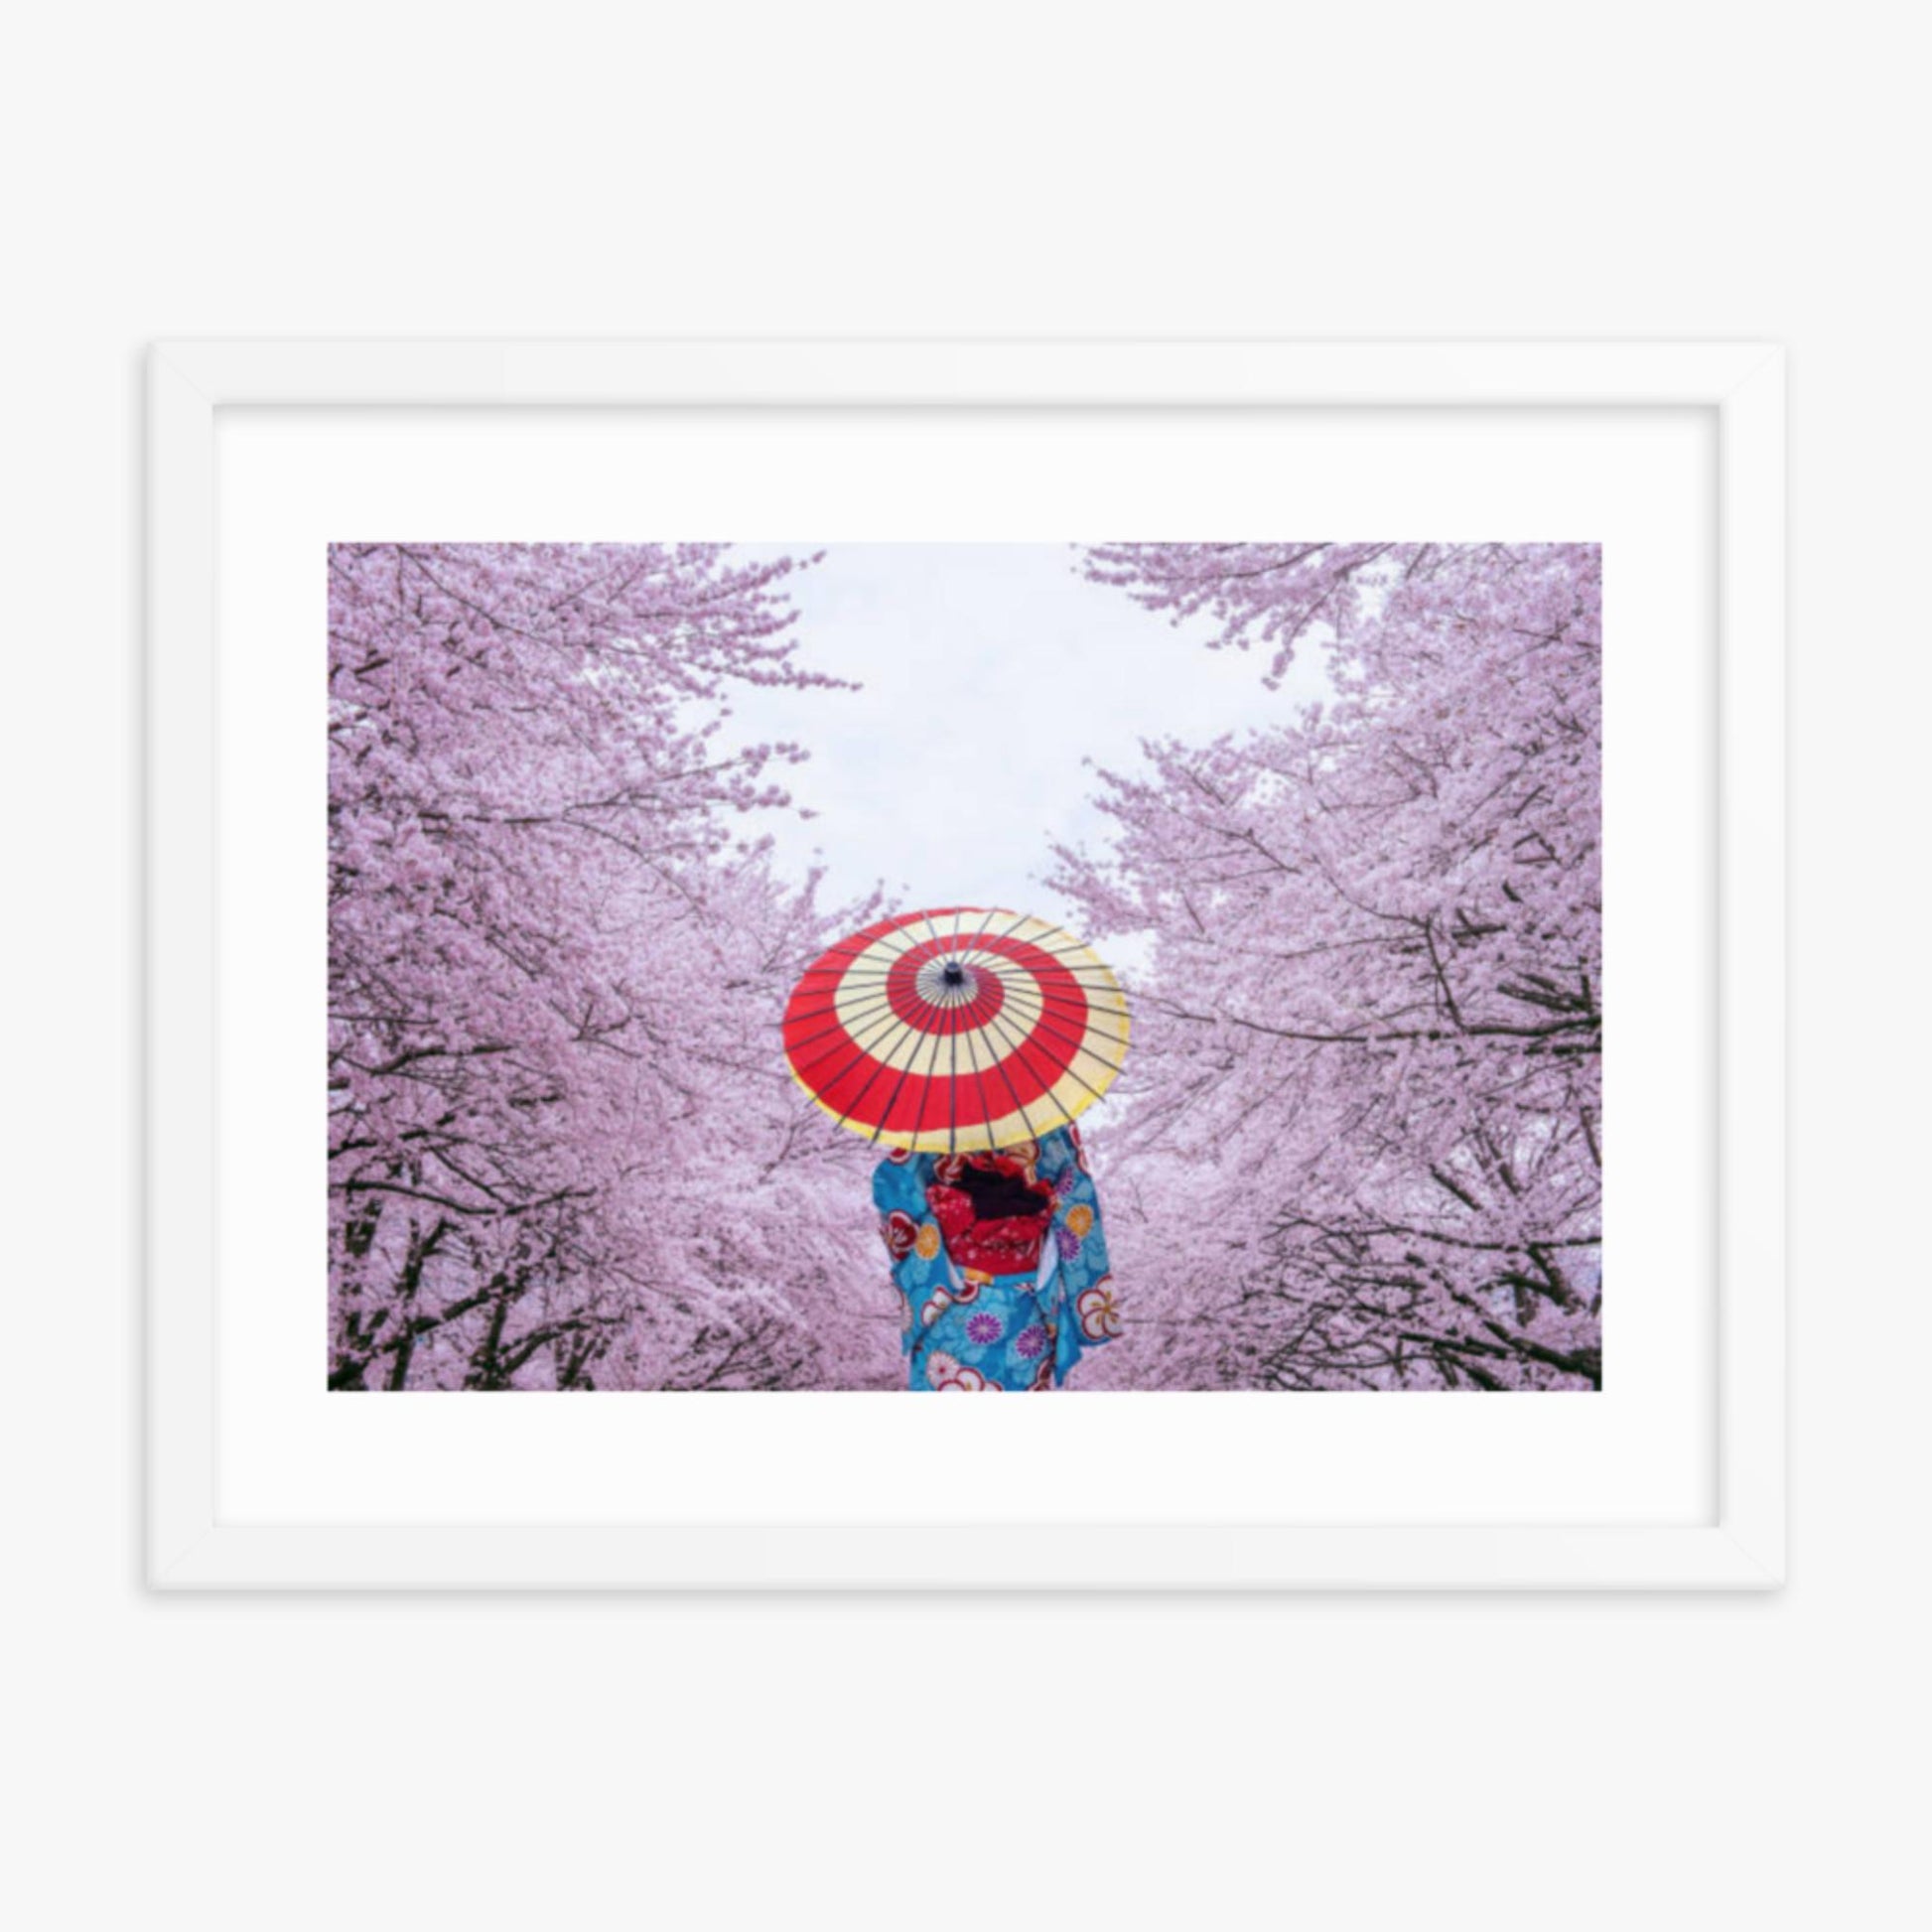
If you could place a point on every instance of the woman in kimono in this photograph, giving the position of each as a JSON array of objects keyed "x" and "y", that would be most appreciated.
[{"x": 1000, "y": 1261}]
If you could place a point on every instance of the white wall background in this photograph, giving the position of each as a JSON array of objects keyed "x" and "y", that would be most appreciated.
[{"x": 1652, "y": 170}]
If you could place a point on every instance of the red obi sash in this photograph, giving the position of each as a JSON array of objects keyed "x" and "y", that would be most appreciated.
[{"x": 992, "y": 1210}]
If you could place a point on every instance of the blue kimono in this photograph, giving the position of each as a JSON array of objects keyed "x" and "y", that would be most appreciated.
[{"x": 1000, "y": 1261}]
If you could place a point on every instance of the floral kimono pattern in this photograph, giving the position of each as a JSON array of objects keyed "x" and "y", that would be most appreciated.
[{"x": 1000, "y": 1261}]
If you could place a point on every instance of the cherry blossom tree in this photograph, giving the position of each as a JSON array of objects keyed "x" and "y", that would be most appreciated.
[
  {"x": 1361, "y": 1142},
  {"x": 562, "y": 1149}
]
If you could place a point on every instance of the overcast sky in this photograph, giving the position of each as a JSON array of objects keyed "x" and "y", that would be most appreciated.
[{"x": 989, "y": 672}]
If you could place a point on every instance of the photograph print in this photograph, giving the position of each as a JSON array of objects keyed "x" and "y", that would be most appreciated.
[{"x": 965, "y": 967}]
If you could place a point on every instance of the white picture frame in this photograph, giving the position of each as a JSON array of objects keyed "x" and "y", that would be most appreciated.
[{"x": 190, "y": 1545}]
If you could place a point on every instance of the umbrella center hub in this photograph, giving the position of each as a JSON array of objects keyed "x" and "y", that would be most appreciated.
[{"x": 948, "y": 982}]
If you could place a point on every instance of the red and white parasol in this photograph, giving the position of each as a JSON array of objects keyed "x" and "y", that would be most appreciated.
[{"x": 956, "y": 1030}]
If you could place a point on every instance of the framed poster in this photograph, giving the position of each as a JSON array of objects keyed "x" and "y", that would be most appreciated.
[{"x": 553, "y": 746}]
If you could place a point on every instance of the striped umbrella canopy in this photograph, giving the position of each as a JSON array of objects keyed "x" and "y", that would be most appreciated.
[{"x": 957, "y": 1030}]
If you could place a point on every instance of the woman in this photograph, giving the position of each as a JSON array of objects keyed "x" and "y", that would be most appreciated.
[{"x": 1000, "y": 1261}]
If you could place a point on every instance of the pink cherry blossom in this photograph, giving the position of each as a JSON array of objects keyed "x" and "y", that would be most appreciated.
[
  {"x": 564, "y": 1151},
  {"x": 1359, "y": 1142}
]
